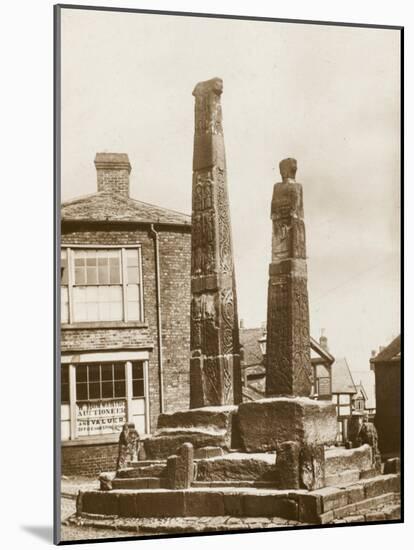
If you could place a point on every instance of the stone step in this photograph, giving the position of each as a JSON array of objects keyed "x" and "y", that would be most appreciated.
[
  {"x": 140, "y": 463},
  {"x": 152, "y": 470},
  {"x": 237, "y": 467},
  {"x": 138, "y": 483},
  {"x": 339, "y": 459},
  {"x": 320, "y": 506},
  {"x": 234, "y": 483}
]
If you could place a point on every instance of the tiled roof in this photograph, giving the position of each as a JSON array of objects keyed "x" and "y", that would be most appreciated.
[
  {"x": 342, "y": 381},
  {"x": 102, "y": 207},
  {"x": 391, "y": 353}
]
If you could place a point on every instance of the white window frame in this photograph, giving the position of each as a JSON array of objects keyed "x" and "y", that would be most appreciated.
[
  {"x": 71, "y": 278},
  {"x": 126, "y": 357}
]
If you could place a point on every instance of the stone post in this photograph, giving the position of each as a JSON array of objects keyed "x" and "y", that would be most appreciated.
[
  {"x": 215, "y": 377},
  {"x": 180, "y": 468},
  {"x": 288, "y": 365}
]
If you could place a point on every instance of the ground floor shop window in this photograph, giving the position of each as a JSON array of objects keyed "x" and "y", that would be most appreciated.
[{"x": 99, "y": 397}]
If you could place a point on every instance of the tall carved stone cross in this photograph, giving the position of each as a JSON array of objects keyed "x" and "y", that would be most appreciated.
[
  {"x": 215, "y": 377},
  {"x": 288, "y": 364}
]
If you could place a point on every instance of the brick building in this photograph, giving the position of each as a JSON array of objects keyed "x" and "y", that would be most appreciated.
[
  {"x": 387, "y": 368},
  {"x": 125, "y": 307}
]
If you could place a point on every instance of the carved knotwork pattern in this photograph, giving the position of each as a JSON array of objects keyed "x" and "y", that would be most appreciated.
[
  {"x": 204, "y": 323},
  {"x": 212, "y": 380},
  {"x": 227, "y": 315},
  {"x": 225, "y": 250},
  {"x": 203, "y": 258},
  {"x": 302, "y": 371},
  {"x": 227, "y": 382},
  {"x": 278, "y": 341}
]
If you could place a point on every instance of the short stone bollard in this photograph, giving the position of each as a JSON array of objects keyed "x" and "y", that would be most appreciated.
[
  {"x": 287, "y": 465},
  {"x": 128, "y": 445},
  {"x": 312, "y": 467},
  {"x": 105, "y": 481},
  {"x": 180, "y": 468},
  {"x": 392, "y": 466},
  {"x": 368, "y": 434}
]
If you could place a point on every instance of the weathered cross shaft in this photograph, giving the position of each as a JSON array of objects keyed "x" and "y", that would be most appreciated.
[
  {"x": 288, "y": 365},
  {"x": 215, "y": 377}
]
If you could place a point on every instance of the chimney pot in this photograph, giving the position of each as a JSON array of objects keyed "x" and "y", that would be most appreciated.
[{"x": 113, "y": 171}]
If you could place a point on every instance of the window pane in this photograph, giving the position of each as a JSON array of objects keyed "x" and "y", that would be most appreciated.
[
  {"x": 92, "y": 312},
  {"x": 79, "y": 258},
  {"x": 137, "y": 370},
  {"x": 114, "y": 274},
  {"x": 134, "y": 313},
  {"x": 64, "y": 374},
  {"x": 120, "y": 390},
  {"x": 81, "y": 374},
  {"x": 81, "y": 391},
  {"x": 91, "y": 276},
  {"x": 138, "y": 388},
  {"x": 119, "y": 372},
  {"x": 94, "y": 390},
  {"x": 115, "y": 311},
  {"x": 132, "y": 274},
  {"x": 91, "y": 259},
  {"x": 65, "y": 393},
  {"x": 94, "y": 373},
  {"x": 132, "y": 257},
  {"x": 80, "y": 278},
  {"x": 63, "y": 267},
  {"x": 103, "y": 275},
  {"x": 107, "y": 371},
  {"x": 64, "y": 304},
  {"x": 107, "y": 389},
  {"x": 132, "y": 293}
]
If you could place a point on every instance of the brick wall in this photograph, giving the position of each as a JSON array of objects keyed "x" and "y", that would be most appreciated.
[
  {"x": 388, "y": 407},
  {"x": 175, "y": 257},
  {"x": 88, "y": 460}
]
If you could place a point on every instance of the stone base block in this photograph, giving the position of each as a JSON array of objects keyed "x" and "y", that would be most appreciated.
[
  {"x": 168, "y": 443},
  {"x": 338, "y": 459},
  {"x": 267, "y": 423},
  {"x": 237, "y": 467}
]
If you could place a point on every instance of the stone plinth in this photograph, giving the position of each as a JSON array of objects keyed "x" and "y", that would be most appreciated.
[
  {"x": 267, "y": 423},
  {"x": 205, "y": 427}
]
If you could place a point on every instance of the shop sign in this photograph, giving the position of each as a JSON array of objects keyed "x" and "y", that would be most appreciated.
[{"x": 100, "y": 417}]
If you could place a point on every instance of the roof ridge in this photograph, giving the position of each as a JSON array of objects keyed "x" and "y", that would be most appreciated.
[{"x": 160, "y": 207}]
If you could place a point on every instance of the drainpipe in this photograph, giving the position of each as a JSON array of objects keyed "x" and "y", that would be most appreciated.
[{"x": 154, "y": 234}]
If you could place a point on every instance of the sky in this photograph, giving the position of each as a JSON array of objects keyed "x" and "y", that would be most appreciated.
[{"x": 328, "y": 96}]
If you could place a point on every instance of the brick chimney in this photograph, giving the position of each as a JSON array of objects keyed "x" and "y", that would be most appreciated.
[
  {"x": 113, "y": 171},
  {"x": 323, "y": 341}
]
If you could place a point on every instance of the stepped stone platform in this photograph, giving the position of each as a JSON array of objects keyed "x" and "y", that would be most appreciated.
[
  {"x": 318, "y": 507},
  {"x": 240, "y": 469}
]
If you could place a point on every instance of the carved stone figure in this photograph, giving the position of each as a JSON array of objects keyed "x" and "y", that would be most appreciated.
[
  {"x": 288, "y": 366},
  {"x": 215, "y": 377}
]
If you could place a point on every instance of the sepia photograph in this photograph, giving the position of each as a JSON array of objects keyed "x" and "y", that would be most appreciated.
[{"x": 228, "y": 196}]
